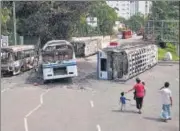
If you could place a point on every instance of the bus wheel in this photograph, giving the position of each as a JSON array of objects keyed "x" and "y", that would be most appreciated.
[
  {"x": 16, "y": 71},
  {"x": 23, "y": 69},
  {"x": 69, "y": 80},
  {"x": 45, "y": 82}
]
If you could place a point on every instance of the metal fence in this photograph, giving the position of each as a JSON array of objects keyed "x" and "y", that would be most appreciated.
[
  {"x": 23, "y": 40},
  {"x": 162, "y": 30}
]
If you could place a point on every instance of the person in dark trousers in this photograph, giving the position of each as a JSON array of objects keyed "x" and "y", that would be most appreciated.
[
  {"x": 135, "y": 91},
  {"x": 123, "y": 100},
  {"x": 139, "y": 94}
]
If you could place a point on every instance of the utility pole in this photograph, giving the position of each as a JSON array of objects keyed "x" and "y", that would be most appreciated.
[{"x": 14, "y": 22}]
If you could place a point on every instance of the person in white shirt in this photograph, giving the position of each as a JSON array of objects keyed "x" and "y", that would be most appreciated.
[{"x": 166, "y": 101}]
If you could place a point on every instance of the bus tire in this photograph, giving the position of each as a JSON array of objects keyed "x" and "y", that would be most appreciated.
[
  {"x": 69, "y": 79},
  {"x": 16, "y": 71},
  {"x": 45, "y": 81},
  {"x": 23, "y": 69}
]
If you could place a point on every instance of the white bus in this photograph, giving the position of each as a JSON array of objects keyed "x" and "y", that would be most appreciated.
[
  {"x": 58, "y": 60},
  {"x": 15, "y": 59}
]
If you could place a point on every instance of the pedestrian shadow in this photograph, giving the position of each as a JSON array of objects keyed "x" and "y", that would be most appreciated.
[
  {"x": 153, "y": 119},
  {"x": 125, "y": 111}
]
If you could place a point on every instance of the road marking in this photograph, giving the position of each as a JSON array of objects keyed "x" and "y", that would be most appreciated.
[
  {"x": 25, "y": 124},
  {"x": 35, "y": 109},
  {"x": 92, "y": 104},
  {"x": 98, "y": 127}
]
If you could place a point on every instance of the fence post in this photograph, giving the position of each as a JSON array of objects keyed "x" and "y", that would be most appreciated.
[
  {"x": 21, "y": 40},
  {"x": 177, "y": 48}
]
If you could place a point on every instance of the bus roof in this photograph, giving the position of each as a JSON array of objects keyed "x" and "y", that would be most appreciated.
[
  {"x": 18, "y": 48},
  {"x": 56, "y": 42}
]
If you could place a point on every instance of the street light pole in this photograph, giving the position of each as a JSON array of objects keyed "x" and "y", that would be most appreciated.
[{"x": 14, "y": 22}]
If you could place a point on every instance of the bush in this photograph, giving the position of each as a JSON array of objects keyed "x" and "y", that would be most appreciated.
[
  {"x": 170, "y": 48},
  {"x": 163, "y": 44}
]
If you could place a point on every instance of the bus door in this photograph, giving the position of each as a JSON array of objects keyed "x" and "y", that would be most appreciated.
[{"x": 102, "y": 65}]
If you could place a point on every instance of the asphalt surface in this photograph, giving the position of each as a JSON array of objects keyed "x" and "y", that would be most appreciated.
[{"x": 85, "y": 103}]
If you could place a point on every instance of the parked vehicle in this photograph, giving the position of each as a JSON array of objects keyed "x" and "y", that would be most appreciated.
[
  {"x": 15, "y": 59},
  {"x": 126, "y": 34}
]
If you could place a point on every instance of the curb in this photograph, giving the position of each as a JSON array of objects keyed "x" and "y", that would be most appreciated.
[{"x": 168, "y": 62}]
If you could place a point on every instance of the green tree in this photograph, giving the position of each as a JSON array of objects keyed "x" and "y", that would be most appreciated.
[
  {"x": 165, "y": 10},
  {"x": 106, "y": 16},
  {"x": 135, "y": 22},
  {"x": 122, "y": 19},
  {"x": 5, "y": 18},
  {"x": 49, "y": 20}
]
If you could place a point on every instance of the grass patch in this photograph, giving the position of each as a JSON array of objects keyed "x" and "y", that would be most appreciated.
[{"x": 170, "y": 48}]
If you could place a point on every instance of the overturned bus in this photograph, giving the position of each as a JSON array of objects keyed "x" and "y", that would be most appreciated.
[{"x": 126, "y": 61}]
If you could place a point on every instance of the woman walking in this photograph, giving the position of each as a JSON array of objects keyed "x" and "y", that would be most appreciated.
[{"x": 139, "y": 94}]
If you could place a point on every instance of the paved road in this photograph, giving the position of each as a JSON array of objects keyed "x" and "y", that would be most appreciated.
[
  {"x": 66, "y": 107},
  {"x": 85, "y": 104}
]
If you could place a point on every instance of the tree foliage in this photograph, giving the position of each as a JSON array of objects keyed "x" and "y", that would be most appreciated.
[
  {"x": 121, "y": 19},
  {"x": 49, "y": 20},
  {"x": 164, "y": 10},
  {"x": 135, "y": 22},
  {"x": 59, "y": 20},
  {"x": 5, "y": 18},
  {"x": 168, "y": 11},
  {"x": 106, "y": 16}
]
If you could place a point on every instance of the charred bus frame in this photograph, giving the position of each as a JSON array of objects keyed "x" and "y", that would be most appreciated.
[
  {"x": 126, "y": 61},
  {"x": 58, "y": 60},
  {"x": 15, "y": 59}
]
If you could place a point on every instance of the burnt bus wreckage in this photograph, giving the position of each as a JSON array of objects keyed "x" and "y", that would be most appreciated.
[
  {"x": 126, "y": 61},
  {"x": 17, "y": 59},
  {"x": 86, "y": 47},
  {"x": 58, "y": 60}
]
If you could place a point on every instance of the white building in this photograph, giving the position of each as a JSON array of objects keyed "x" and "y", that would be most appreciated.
[
  {"x": 122, "y": 7},
  {"x": 140, "y": 6}
]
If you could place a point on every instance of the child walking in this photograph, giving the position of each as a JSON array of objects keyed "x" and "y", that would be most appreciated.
[{"x": 123, "y": 101}]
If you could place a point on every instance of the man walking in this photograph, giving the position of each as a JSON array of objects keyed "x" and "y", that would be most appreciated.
[{"x": 166, "y": 101}]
